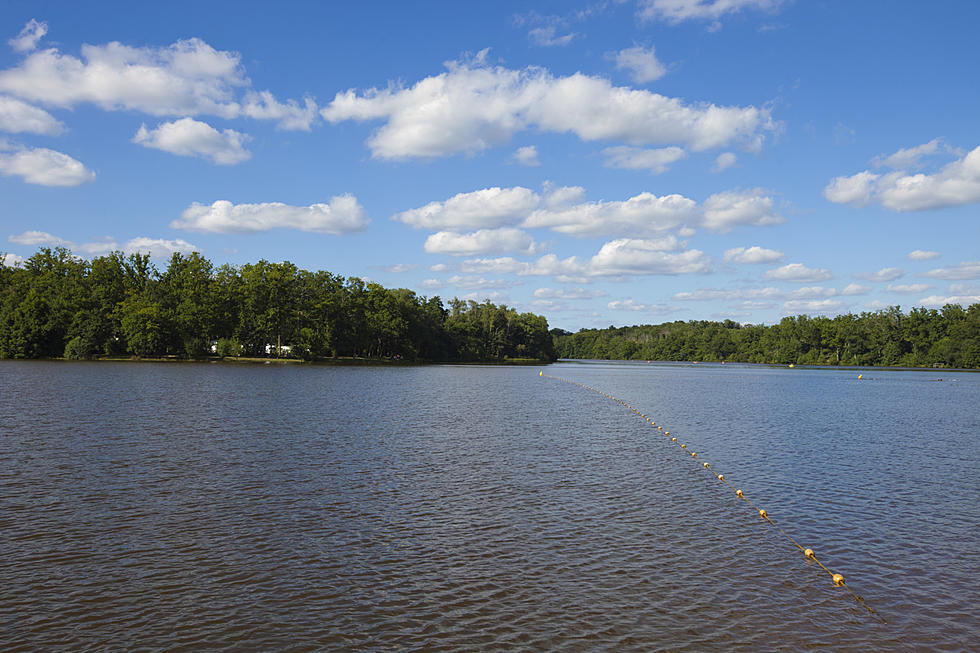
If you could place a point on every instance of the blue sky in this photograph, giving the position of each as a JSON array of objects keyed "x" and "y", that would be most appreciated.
[{"x": 622, "y": 162}]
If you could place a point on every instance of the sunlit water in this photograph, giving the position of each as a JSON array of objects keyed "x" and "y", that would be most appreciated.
[{"x": 196, "y": 506}]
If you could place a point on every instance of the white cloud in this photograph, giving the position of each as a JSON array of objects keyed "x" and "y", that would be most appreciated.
[
  {"x": 527, "y": 156},
  {"x": 855, "y": 289},
  {"x": 631, "y": 305},
  {"x": 17, "y": 117},
  {"x": 813, "y": 292},
  {"x": 398, "y": 268},
  {"x": 487, "y": 208},
  {"x": 911, "y": 157},
  {"x": 484, "y": 241},
  {"x": 158, "y": 247},
  {"x": 813, "y": 306},
  {"x": 856, "y": 189},
  {"x": 439, "y": 267},
  {"x": 642, "y": 215},
  {"x": 751, "y": 255},
  {"x": 11, "y": 260},
  {"x": 564, "y": 210},
  {"x": 481, "y": 296},
  {"x": 922, "y": 255},
  {"x": 186, "y": 78},
  {"x": 956, "y": 184},
  {"x": 712, "y": 294},
  {"x": 677, "y": 11},
  {"x": 657, "y": 161},
  {"x": 40, "y": 239},
  {"x": 290, "y": 115},
  {"x": 547, "y": 36},
  {"x": 342, "y": 215},
  {"x": 642, "y": 64},
  {"x": 473, "y": 106},
  {"x": 724, "y": 161},
  {"x": 567, "y": 293},
  {"x": 44, "y": 167},
  {"x": 189, "y": 137},
  {"x": 909, "y": 289},
  {"x": 640, "y": 257},
  {"x": 884, "y": 274},
  {"x": 965, "y": 270},
  {"x": 469, "y": 282},
  {"x": 728, "y": 209},
  {"x": 431, "y": 284},
  {"x": 798, "y": 273},
  {"x": 938, "y": 301},
  {"x": 28, "y": 37}
]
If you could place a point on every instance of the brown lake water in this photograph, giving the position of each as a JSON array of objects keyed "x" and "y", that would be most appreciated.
[{"x": 462, "y": 508}]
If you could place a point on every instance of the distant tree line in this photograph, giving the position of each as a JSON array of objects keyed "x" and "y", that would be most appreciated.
[
  {"x": 56, "y": 304},
  {"x": 949, "y": 337}
]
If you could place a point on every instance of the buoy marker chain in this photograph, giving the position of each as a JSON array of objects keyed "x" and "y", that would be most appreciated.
[{"x": 838, "y": 579}]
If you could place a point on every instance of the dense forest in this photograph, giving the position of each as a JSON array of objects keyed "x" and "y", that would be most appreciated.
[
  {"x": 949, "y": 337},
  {"x": 56, "y": 304}
]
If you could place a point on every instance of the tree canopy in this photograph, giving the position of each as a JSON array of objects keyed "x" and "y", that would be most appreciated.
[
  {"x": 57, "y": 304},
  {"x": 949, "y": 337}
]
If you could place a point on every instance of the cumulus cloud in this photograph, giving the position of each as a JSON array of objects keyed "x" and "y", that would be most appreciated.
[
  {"x": 956, "y": 184},
  {"x": 884, "y": 274},
  {"x": 911, "y": 157},
  {"x": 28, "y": 37},
  {"x": 563, "y": 209},
  {"x": 157, "y": 247},
  {"x": 189, "y": 137},
  {"x": 567, "y": 293},
  {"x": 724, "y": 161},
  {"x": 856, "y": 189},
  {"x": 642, "y": 64},
  {"x": 44, "y": 167},
  {"x": 484, "y": 241},
  {"x": 398, "y": 268},
  {"x": 527, "y": 156},
  {"x": 343, "y": 215},
  {"x": 960, "y": 294},
  {"x": 470, "y": 282},
  {"x": 631, "y": 305},
  {"x": 813, "y": 306},
  {"x": 922, "y": 255},
  {"x": 39, "y": 239},
  {"x": 798, "y": 273},
  {"x": 640, "y": 257},
  {"x": 752, "y": 255},
  {"x": 725, "y": 210},
  {"x": 186, "y": 78},
  {"x": 547, "y": 37},
  {"x": 473, "y": 106},
  {"x": 487, "y": 208},
  {"x": 677, "y": 11},
  {"x": 641, "y": 215},
  {"x": 965, "y": 270},
  {"x": 855, "y": 289},
  {"x": 11, "y": 260},
  {"x": 909, "y": 289},
  {"x": 656, "y": 161},
  {"x": 17, "y": 117}
]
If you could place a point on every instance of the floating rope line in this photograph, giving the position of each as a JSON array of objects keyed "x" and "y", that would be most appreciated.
[{"x": 837, "y": 578}]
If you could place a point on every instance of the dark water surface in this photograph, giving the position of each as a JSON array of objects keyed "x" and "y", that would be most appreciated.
[{"x": 188, "y": 507}]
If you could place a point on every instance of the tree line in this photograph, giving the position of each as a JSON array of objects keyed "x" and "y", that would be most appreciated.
[
  {"x": 59, "y": 305},
  {"x": 949, "y": 337}
]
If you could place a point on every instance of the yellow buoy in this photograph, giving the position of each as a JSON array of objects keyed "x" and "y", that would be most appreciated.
[
  {"x": 738, "y": 493},
  {"x": 673, "y": 439},
  {"x": 763, "y": 514},
  {"x": 860, "y": 375},
  {"x": 721, "y": 477},
  {"x": 838, "y": 579},
  {"x": 541, "y": 374},
  {"x": 706, "y": 465},
  {"x": 809, "y": 554},
  {"x": 683, "y": 446}
]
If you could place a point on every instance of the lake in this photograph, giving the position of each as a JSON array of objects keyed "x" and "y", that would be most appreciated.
[{"x": 462, "y": 508}]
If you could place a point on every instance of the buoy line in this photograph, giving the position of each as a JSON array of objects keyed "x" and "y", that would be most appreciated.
[{"x": 838, "y": 579}]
